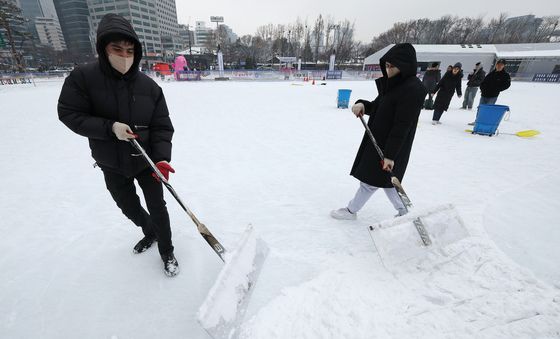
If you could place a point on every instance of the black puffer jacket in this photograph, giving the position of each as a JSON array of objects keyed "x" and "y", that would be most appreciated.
[
  {"x": 446, "y": 87},
  {"x": 476, "y": 78},
  {"x": 494, "y": 83},
  {"x": 393, "y": 118},
  {"x": 94, "y": 96}
]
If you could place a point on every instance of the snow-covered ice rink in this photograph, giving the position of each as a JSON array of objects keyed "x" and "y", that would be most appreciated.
[{"x": 277, "y": 156}]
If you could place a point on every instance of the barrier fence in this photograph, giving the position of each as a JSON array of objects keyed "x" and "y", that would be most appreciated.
[{"x": 257, "y": 75}]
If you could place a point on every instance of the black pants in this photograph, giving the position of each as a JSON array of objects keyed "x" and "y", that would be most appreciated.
[
  {"x": 437, "y": 114},
  {"x": 156, "y": 223}
]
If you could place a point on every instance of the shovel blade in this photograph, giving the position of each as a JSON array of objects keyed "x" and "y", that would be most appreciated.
[
  {"x": 226, "y": 303},
  {"x": 397, "y": 241},
  {"x": 528, "y": 133}
]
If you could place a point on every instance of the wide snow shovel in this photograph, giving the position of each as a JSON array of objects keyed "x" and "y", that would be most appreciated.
[
  {"x": 523, "y": 134},
  {"x": 224, "y": 308},
  {"x": 227, "y": 300},
  {"x": 397, "y": 242},
  {"x": 412, "y": 235}
]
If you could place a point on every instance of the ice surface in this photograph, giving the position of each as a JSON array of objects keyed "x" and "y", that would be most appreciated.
[{"x": 278, "y": 156}]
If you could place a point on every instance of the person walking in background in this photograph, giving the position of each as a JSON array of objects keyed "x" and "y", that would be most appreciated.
[
  {"x": 496, "y": 81},
  {"x": 393, "y": 117},
  {"x": 446, "y": 87},
  {"x": 110, "y": 102},
  {"x": 430, "y": 80},
  {"x": 475, "y": 78}
]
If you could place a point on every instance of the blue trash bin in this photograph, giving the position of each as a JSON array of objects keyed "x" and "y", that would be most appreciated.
[
  {"x": 488, "y": 118},
  {"x": 343, "y": 98}
]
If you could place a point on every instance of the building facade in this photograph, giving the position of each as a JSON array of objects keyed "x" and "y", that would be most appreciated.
[
  {"x": 76, "y": 27},
  {"x": 42, "y": 22},
  {"x": 187, "y": 36},
  {"x": 202, "y": 35},
  {"x": 230, "y": 36},
  {"x": 155, "y": 22},
  {"x": 143, "y": 16},
  {"x": 50, "y": 33}
]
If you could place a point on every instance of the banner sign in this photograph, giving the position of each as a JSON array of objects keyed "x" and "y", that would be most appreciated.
[{"x": 546, "y": 77}]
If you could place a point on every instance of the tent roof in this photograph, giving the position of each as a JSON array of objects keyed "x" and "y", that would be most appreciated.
[{"x": 498, "y": 50}]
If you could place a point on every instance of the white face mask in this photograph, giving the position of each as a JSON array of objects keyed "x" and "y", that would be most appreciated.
[{"x": 121, "y": 64}]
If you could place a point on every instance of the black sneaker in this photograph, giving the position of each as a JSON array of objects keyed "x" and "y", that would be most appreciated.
[
  {"x": 170, "y": 265},
  {"x": 143, "y": 245}
]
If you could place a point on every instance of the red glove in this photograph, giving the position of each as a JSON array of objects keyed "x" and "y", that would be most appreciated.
[{"x": 164, "y": 168}]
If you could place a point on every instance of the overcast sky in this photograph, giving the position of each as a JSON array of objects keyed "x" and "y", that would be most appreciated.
[{"x": 371, "y": 17}]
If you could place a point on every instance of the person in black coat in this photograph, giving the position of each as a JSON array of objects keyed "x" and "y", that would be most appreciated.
[
  {"x": 495, "y": 82},
  {"x": 446, "y": 87},
  {"x": 393, "y": 117},
  {"x": 111, "y": 102},
  {"x": 474, "y": 80},
  {"x": 430, "y": 80}
]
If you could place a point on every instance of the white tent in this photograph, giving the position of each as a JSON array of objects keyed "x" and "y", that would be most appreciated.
[{"x": 520, "y": 58}]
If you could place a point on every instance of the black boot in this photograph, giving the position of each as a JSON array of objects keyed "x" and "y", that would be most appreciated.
[
  {"x": 170, "y": 265},
  {"x": 143, "y": 244}
]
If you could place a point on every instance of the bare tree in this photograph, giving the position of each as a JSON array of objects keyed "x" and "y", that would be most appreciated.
[
  {"x": 318, "y": 35},
  {"x": 496, "y": 29},
  {"x": 330, "y": 26},
  {"x": 344, "y": 42},
  {"x": 547, "y": 28},
  {"x": 265, "y": 32},
  {"x": 12, "y": 22}
]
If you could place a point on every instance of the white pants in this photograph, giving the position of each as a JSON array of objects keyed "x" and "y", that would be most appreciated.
[{"x": 366, "y": 191}]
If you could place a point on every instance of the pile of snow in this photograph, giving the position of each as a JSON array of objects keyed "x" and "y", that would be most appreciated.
[{"x": 277, "y": 156}]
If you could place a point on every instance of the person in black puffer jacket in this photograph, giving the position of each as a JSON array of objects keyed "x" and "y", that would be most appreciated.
[
  {"x": 111, "y": 102},
  {"x": 495, "y": 82},
  {"x": 446, "y": 87},
  {"x": 393, "y": 117}
]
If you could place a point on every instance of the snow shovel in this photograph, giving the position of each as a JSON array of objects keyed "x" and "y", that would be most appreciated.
[
  {"x": 228, "y": 299},
  {"x": 407, "y": 237},
  {"x": 523, "y": 134}
]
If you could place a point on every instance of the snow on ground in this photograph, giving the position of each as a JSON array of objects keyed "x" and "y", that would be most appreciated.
[{"x": 277, "y": 156}]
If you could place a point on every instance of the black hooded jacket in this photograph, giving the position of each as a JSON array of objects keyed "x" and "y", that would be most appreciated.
[
  {"x": 94, "y": 96},
  {"x": 393, "y": 118}
]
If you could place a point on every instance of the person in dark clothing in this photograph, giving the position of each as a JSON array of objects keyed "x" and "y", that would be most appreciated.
[
  {"x": 474, "y": 80},
  {"x": 448, "y": 85},
  {"x": 110, "y": 102},
  {"x": 393, "y": 117},
  {"x": 431, "y": 78},
  {"x": 495, "y": 82}
]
